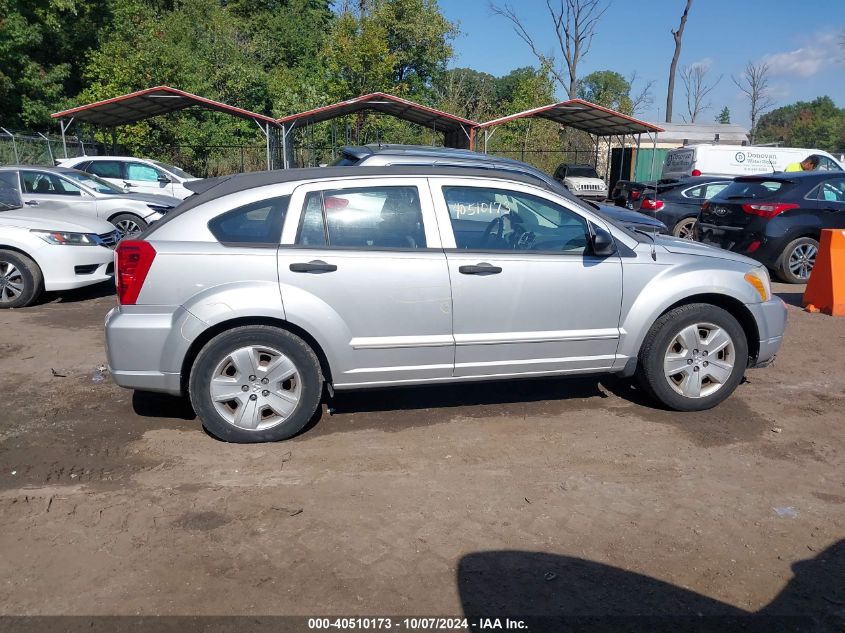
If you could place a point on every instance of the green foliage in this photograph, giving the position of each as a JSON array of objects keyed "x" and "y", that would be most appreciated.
[
  {"x": 606, "y": 88},
  {"x": 814, "y": 124},
  {"x": 724, "y": 116}
]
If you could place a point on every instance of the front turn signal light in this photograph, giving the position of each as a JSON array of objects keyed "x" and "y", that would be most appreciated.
[{"x": 759, "y": 278}]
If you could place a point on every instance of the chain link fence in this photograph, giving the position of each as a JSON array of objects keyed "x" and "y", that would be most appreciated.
[{"x": 33, "y": 148}]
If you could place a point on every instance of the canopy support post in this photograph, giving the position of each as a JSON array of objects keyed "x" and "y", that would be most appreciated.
[
  {"x": 49, "y": 149},
  {"x": 266, "y": 132},
  {"x": 287, "y": 149},
  {"x": 653, "y": 153},
  {"x": 14, "y": 144},
  {"x": 637, "y": 160},
  {"x": 621, "y": 158},
  {"x": 64, "y": 127}
]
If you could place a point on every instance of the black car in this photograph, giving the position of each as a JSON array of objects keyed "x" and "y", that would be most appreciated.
[
  {"x": 776, "y": 218},
  {"x": 677, "y": 203}
]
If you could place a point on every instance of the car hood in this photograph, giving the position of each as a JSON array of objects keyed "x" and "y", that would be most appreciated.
[
  {"x": 581, "y": 180},
  {"x": 48, "y": 221},
  {"x": 149, "y": 198},
  {"x": 626, "y": 216},
  {"x": 688, "y": 247}
]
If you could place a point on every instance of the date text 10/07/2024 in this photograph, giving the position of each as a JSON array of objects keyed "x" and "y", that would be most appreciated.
[{"x": 416, "y": 624}]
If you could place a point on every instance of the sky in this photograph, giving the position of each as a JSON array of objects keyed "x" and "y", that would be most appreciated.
[{"x": 799, "y": 40}]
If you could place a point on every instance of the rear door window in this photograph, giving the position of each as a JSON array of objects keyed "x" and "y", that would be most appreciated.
[
  {"x": 363, "y": 218},
  {"x": 832, "y": 190},
  {"x": 104, "y": 168}
]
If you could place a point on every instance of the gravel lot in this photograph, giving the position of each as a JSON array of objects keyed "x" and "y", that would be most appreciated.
[{"x": 541, "y": 497}]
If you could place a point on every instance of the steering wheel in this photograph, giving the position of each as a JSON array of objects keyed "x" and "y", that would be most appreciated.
[{"x": 497, "y": 224}]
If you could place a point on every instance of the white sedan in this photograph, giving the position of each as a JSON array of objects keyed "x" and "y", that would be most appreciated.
[{"x": 41, "y": 252}]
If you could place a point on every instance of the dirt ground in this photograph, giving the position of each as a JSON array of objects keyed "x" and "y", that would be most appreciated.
[{"x": 535, "y": 497}]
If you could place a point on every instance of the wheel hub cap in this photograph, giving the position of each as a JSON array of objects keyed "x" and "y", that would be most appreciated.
[
  {"x": 699, "y": 360},
  {"x": 255, "y": 388},
  {"x": 11, "y": 282}
]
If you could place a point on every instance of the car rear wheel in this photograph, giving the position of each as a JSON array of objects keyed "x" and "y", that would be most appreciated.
[
  {"x": 797, "y": 261},
  {"x": 20, "y": 280},
  {"x": 255, "y": 384},
  {"x": 685, "y": 229},
  {"x": 693, "y": 357},
  {"x": 128, "y": 224}
]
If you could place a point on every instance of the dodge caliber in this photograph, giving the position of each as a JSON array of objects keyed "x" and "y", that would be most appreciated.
[{"x": 264, "y": 291}]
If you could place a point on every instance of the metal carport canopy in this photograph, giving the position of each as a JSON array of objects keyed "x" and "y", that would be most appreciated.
[
  {"x": 458, "y": 130},
  {"x": 582, "y": 115},
  {"x": 152, "y": 102}
]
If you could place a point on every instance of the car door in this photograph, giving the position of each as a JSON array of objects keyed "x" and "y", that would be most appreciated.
[
  {"x": 143, "y": 178},
  {"x": 50, "y": 192},
  {"x": 528, "y": 296},
  {"x": 361, "y": 264},
  {"x": 830, "y": 202}
]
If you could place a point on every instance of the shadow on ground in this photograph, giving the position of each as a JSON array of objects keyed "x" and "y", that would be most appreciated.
[{"x": 565, "y": 593}]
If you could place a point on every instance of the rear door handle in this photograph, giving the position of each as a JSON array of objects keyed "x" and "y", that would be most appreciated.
[
  {"x": 31, "y": 203},
  {"x": 315, "y": 266},
  {"x": 480, "y": 269}
]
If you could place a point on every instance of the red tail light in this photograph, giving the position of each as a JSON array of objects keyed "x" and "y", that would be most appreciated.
[
  {"x": 695, "y": 172},
  {"x": 769, "y": 210},
  {"x": 133, "y": 259},
  {"x": 635, "y": 195},
  {"x": 651, "y": 205},
  {"x": 753, "y": 246}
]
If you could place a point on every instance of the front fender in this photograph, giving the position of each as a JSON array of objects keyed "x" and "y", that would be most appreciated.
[{"x": 653, "y": 295}]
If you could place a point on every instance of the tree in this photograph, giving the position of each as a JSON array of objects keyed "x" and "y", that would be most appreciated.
[
  {"x": 642, "y": 99},
  {"x": 813, "y": 124},
  {"x": 467, "y": 93},
  {"x": 575, "y": 24},
  {"x": 606, "y": 88},
  {"x": 724, "y": 117},
  {"x": 754, "y": 83},
  {"x": 677, "y": 35},
  {"x": 697, "y": 88}
]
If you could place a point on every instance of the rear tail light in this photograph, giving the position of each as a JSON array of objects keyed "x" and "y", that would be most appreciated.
[
  {"x": 769, "y": 210},
  {"x": 133, "y": 259},
  {"x": 651, "y": 205},
  {"x": 635, "y": 195},
  {"x": 753, "y": 246}
]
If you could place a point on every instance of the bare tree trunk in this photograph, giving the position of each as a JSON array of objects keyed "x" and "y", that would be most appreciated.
[
  {"x": 697, "y": 89},
  {"x": 754, "y": 83},
  {"x": 678, "y": 34}
]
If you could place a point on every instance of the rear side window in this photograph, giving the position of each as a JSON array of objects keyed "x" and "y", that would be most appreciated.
[
  {"x": 256, "y": 224},
  {"x": 752, "y": 189},
  {"x": 48, "y": 184},
  {"x": 364, "y": 217},
  {"x": 832, "y": 190},
  {"x": 104, "y": 168}
]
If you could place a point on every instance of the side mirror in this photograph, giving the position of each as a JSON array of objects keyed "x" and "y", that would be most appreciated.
[
  {"x": 164, "y": 180},
  {"x": 602, "y": 242}
]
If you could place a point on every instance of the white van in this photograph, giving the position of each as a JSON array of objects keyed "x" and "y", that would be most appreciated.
[{"x": 738, "y": 160}]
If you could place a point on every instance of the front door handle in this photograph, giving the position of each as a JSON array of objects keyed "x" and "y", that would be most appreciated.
[
  {"x": 480, "y": 269},
  {"x": 315, "y": 266},
  {"x": 31, "y": 203}
]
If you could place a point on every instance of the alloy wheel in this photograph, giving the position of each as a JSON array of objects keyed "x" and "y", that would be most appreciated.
[
  {"x": 128, "y": 227},
  {"x": 11, "y": 282},
  {"x": 686, "y": 229},
  {"x": 802, "y": 259},
  {"x": 255, "y": 388},
  {"x": 699, "y": 360}
]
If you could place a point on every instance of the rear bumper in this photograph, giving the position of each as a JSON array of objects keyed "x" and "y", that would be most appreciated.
[
  {"x": 146, "y": 346},
  {"x": 770, "y": 317}
]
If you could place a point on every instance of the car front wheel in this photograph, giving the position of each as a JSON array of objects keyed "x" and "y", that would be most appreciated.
[
  {"x": 255, "y": 384},
  {"x": 128, "y": 224},
  {"x": 20, "y": 280},
  {"x": 693, "y": 357},
  {"x": 685, "y": 229}
]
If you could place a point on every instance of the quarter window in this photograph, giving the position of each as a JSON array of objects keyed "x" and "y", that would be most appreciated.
[
  {"x": 832, "y": 190},
  {"x": 104, "y": 168},
  {"x": 36, "y": 182},
  {"x": 365, "y": 217},
  {"x": 256, "y": 224},
  {"x": 825, "y": 164},
  {"x": 502, "y": 220}
]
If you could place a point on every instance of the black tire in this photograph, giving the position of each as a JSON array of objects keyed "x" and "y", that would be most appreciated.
[
  {"x": 686, "y": 228},
  {"x": 123, "y": 222},
  {"x": 21, "y": 280},
  {"x": 650, "y": 368},
  {"x": 304, "y": 359},
  {"x": 783, "y": 266}
]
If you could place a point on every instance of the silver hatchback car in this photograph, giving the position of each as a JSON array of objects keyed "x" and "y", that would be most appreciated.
[{"x": 262, "y": 288}]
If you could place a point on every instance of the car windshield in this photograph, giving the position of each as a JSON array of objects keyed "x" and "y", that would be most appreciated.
[
  {"x": 751, "y": 189},
  {"x": 173, "y": 169},
  {"x": 93, "y": 182},
  {"x": 581, "y": 172}
]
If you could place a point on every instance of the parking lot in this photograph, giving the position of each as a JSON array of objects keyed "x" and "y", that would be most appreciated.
[{"x": 543, "y": 497}]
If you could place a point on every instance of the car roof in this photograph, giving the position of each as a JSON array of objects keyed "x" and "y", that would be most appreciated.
[
  {"x": 792, "y": 176},
  {"x": 57, "y": 168}
]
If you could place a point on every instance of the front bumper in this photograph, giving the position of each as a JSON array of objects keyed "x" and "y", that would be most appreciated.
[
  {"x": 770, "y": 317},
  {"x": 70, "y": 267}
]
